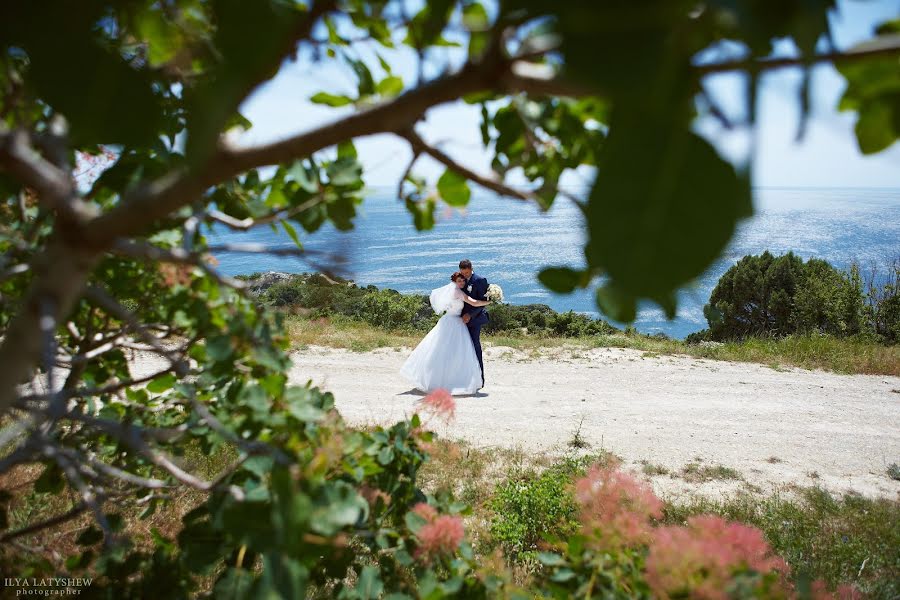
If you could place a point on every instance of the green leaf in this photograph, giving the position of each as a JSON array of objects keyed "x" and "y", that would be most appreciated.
[
  {"x": 161, "y": 383},
  {"x": 663, "y": 207},
  {"x": 365, "y": 82},
  {"x": 454, "y": 188},
  {"x": 218, "y": 348},
  {"x": 616, "y": 303},
  {"x": 369, "y": 586},
  {"x": 562, "y": 280},
  {"x": 345, "y": 171},
  {"x": 346, "y": 149},
  {"x": 422, "y": 212},
  {"x": 330, "y": 99},
  {"x": 89, "y": 536},
  {"x": 51, "y": 481},
  {"x": 163, "y": 39},
  {"x": 292, "y": 232},
  {"x": 875, "y": 127},
  {"x": 341, "y": 507},
  {"x": 390, "y": 86},
  {"x": 550, "y": 559},
  {"x": 475, "y": 17},
  {"x": 300, "y": 404},
  {"x": 386, "y": 455}
]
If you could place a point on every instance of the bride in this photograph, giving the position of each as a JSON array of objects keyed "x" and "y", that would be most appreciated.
[{"x": 446, "y": 358}]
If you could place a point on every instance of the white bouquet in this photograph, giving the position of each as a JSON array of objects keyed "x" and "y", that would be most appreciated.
[{"x": 494, "y": 293}]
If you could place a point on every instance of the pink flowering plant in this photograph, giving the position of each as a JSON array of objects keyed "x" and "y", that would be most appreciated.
[{"x": 622, "y": 551}]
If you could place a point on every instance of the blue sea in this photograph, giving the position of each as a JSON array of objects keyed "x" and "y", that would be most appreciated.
[{"x": 509, "y": 242}]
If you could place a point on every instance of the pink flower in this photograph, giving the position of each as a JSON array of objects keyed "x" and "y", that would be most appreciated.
[
  {"x": 701, "y": 559},
  {"x": 372, "y": 495},
  {"x": 615, "y": 508},
  {"x": 441, "y": 404},
  {"x": 426, "y": 511},
  {"x": 441, "y": 535},
  {"x": 843, "y": 592}
]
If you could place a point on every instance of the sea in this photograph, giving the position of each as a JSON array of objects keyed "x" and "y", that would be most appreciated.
[{"x": 509, "y": 242}]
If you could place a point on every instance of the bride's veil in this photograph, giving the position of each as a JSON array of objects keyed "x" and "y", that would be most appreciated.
[{"x": 442, "y": 297}]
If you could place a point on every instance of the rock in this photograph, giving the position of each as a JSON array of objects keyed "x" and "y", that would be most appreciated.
[
  {"x": 264, "y": 281},
  {"x": 710, "y": 344}
]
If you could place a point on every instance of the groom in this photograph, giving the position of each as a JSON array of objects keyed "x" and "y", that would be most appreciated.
[{"x": 475, "y": 317}]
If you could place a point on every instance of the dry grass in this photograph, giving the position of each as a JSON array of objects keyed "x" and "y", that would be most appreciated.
[
  {"x": 695, "y": 472},
  {"x": 803, "y": 351},
  {"x": 56, "y": 544}
]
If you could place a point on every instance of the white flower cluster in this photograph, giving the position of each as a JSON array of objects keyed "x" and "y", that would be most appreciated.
[{"x": 494, "y": 293}]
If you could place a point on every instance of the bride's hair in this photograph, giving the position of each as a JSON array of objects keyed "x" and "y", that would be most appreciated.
[{"x": 456, "y": 275}]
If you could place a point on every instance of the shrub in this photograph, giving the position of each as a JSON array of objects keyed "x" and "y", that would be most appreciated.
[
  {"x": 883, "y": 302},
  {"x": 393, "y": 310},
  {"x": 531, "y": 507},
  {"x": 767, "y": 295}
]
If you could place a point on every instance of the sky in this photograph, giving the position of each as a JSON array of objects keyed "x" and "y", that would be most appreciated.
[{"x": 827, "y": 156}]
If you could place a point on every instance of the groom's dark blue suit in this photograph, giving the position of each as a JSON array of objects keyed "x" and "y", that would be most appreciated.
[{"x": 476, "y": 287}]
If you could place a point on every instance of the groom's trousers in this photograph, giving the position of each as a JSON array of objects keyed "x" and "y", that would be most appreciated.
[{"x": 475, "y": 326}]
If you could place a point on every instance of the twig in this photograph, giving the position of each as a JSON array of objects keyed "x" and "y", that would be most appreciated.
[
  {"x": 54, "y": 187},
  {"x": 110, "y": 305},
  {"x": 250, "y": 447},
  {"x": 419, "y": 146},
  {"x": 51, "y": 522}
]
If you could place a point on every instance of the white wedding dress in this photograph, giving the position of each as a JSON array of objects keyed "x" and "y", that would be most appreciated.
[{"x": 445, "y": 358}]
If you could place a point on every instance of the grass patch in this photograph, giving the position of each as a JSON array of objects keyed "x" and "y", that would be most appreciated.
[
  {"x": 694, "y": 472},
  {"x": 847, "y": 539},
  {"x": 648, "y": 468},
  {"x": 845, "y": 355},
  {"x": 893, "y": 471}
]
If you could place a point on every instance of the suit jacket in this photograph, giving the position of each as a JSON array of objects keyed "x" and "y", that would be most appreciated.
[{"x": 476, "y": 287}]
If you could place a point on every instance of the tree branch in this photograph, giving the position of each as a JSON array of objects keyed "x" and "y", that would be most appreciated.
[
  {"x": 419, "y": 146},
  {"x": 53, "y": 186},
  {"x": 174, "y": 191},
  {"x": 45, "y": 524}
]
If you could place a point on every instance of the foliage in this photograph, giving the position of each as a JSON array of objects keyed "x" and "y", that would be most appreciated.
[
  {"x": 95, "y": 268},
  {"x": 531, "y": 508},
  {"x": 392, "y": 310},
  {"x": 768, "y": 295},
  {"x": 819, "y": 534}
]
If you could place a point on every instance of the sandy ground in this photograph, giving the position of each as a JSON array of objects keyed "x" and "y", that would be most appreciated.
[{"x": 776, "y": 428}]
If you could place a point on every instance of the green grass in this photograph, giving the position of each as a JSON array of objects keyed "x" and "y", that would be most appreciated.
[
  {"x": 695, "y": 472},
  {"x": 847, "y": 539},
  {"x": 846, "y": 355},
  {"x": 517, "y": 498},
  {"x": 648, "y": 468}
]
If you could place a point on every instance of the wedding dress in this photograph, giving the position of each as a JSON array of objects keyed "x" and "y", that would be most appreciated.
[{"x": 445, "y": 358}]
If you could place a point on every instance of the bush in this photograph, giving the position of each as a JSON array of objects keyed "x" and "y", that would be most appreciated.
[
  {"x": 393, "y": 310},
  {"x": 767, "y": 295},
  {"x": 883, "y": 303},
  {"x": 530, "y": 508}
]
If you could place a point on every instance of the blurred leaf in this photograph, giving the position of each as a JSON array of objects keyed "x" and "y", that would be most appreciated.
[
  {"x": 51, "y": 480},
  {"x": 454, "y": 188},
  {"x": 562, "y": 280},
  {"x": 292, "y": 231},
  {"x": 330, "y": 99},
  {"x": 390, "y": 86},
  {"x": 369, "y": 586},
  {"x": 162, "y": 37},
  {"x": 658, "y": 185},
  {"x": 161, "y": 383},
  {"x": 422, "y": 212},
  {"x": 475, "y": 17}
]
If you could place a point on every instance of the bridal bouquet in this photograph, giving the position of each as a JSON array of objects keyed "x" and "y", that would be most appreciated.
[{"x": 494, "y": 293}]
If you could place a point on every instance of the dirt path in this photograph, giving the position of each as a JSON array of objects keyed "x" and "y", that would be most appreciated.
[{"x": 775, "y": 428}]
